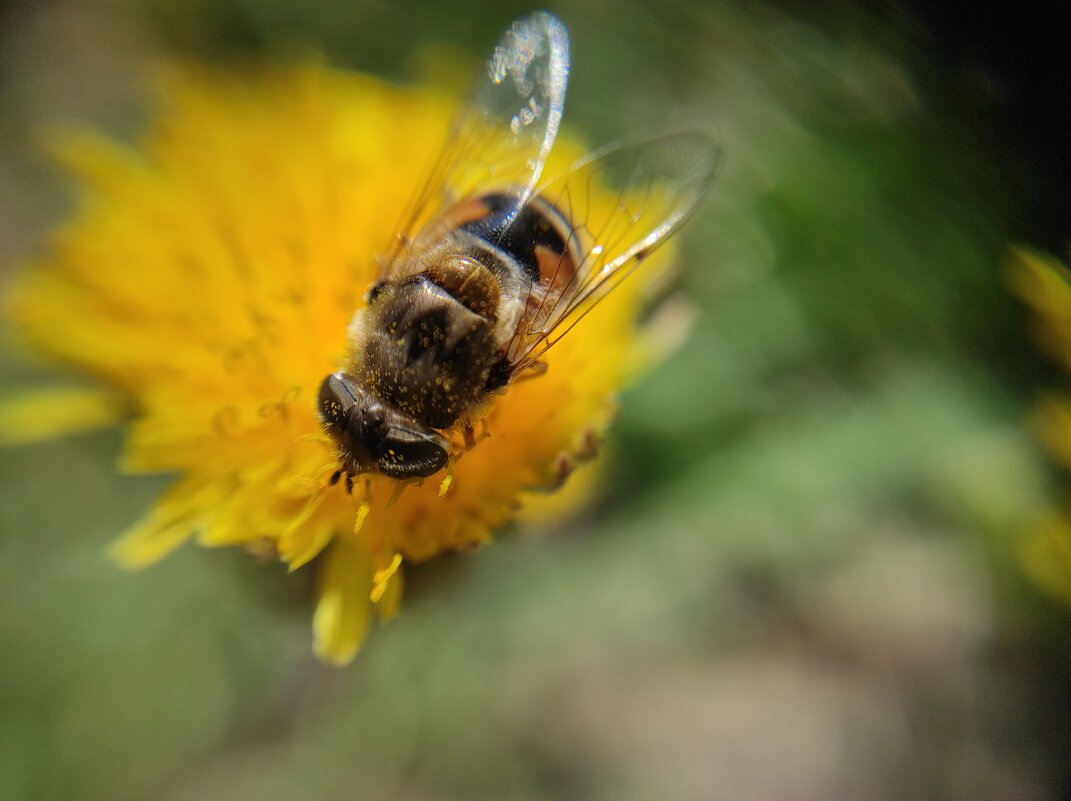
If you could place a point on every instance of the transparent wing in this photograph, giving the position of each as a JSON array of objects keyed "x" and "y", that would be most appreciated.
[
  {"x": 657, "y": 184},
  {"x": 503, "y": 134}
]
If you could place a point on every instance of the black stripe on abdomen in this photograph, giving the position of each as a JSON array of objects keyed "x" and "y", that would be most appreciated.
[{"x": 519, "y": 236}]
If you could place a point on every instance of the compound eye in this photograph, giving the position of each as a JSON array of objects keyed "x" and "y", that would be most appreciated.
[
  {"x": 412, "y": 454},
  {"x": 335, "y": 402}
]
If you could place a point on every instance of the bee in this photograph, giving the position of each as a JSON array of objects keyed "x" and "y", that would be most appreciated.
[{"x": 494, "y": 265}]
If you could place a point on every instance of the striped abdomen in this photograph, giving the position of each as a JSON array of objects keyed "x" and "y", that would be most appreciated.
[{"x": 432, "y": 344}]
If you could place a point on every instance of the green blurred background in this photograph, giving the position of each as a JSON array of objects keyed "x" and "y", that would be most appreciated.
[{"x": 800, "y": 579}]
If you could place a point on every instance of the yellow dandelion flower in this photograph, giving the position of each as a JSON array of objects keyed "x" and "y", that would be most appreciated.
[
  {"x": 1045, "y": 284},
  {"x": 210, "y": 276}
]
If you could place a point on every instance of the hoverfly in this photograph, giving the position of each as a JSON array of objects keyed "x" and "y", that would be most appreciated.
[{"x": 506, "y": 266}]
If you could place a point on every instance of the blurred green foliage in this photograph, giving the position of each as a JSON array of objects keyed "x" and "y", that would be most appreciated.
[{"x": 800, "y": 579}]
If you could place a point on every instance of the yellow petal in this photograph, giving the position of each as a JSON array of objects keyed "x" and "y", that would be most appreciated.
[
  {"x": 343, "y": 610},
  {"x": 175, "y": 518},
  {"x": 1047, "y": 558},
  {"x": 548, "y": 509},
  {"x": 1045, "y": 283},
  {"x": 301, "y": 543},
  {"x": 149, "y": 540},
  {"x": 40, "y": 414},
  {"x": 99, "y": 162}
]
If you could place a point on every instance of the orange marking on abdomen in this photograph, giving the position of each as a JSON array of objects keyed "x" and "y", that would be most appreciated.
[
  {"x": 465, "y": 212},
  {"x": 556, "y": 269}
]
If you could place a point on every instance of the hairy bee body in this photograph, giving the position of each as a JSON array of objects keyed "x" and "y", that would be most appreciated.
[{"x": 430, "y": 350}]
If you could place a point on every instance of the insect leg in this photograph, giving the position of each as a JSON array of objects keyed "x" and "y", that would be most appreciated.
[{"x": 534, "y": 370}]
